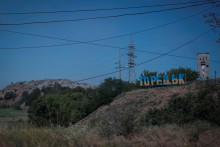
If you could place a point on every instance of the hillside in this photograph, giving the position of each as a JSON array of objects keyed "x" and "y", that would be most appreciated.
[
  {"x": 124, "y": 116},
  {"x": 138, "y": 102},
  {"x": 28, "y": 86}
]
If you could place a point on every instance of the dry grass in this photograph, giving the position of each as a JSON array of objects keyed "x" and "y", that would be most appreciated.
[
  {"x": 30, "y": 137},
  {"x": 84, "y": 137}
]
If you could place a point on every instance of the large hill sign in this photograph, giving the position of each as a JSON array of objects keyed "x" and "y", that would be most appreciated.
[{"x": 175, "y": 79}]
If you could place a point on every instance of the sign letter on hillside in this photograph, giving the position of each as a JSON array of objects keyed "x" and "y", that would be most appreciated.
[{"x": 174, "y": 79}]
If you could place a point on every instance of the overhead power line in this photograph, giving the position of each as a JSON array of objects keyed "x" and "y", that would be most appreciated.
[
  {"x": 150, "y": 52},
  {"x": 103, "y": 17},
  {"x": 176, "y": 48},
  {"x": 116, "y": 47},
  {"x": 99, "y": 9},
  {"x": 157, "y": 53},
  {"x": 90, "y": 42},
  {"x": 124, "y": 48},
  {"x": 194, "y": 39},
  {"x": 30, "y": 47}
]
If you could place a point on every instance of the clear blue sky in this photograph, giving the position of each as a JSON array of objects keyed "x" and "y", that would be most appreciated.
[{"x": 81, "y": 61}]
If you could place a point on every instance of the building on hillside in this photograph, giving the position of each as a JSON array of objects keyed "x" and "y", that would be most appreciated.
[{"x": 203, "y": 65}]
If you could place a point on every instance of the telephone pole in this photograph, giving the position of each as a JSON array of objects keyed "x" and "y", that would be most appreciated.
[
  {"x": 131, "y": 64},
  {"x": 119, "y": 64},
  {"x": 215, "y": 76}
]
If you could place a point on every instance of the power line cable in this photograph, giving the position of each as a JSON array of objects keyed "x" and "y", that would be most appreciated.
[
  {"x": 143, "y": 51},
  {"x": 91, "y": 68},
  {"x": 82, "y": 65},
  {"x": 149, "y": 59},
  {"x": 112, "y": 47},
  {"x": 115, "y": 47},
  {"x": 176, "y": 48},
  {"x": 42, "y": 46},
  {"x": 173, "y": 55},
  {"x": 109, "y": 37},
  {"x": 103, "y": 17},
  {"x": 99, "y": 9},
  {"x": 89, "y": 42},
  {"x": 104, "y": 46},
  {"x": 124, "y": 48}
]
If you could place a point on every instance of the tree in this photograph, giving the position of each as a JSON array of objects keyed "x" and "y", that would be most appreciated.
[
  {"x": 190, "y": 74},
  {"x": 62, "y": 106},
  {"x": 110, "y": 88},
  {"x": 213, "y": 20},
  {"x": 147, "y": 73},
  {"x": 57, "y": 110},
  {"x": 10, "y": 95},
  {"x": 29, "y": 98},
  {"x": 24, "y": 97}
]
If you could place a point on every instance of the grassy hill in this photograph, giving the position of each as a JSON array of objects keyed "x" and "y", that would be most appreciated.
[
  {"x": 121, "y": 122},
  {"x": 137, "y": 103}
]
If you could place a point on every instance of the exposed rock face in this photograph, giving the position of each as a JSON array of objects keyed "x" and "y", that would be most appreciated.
[{"x": 28, "y": 86}]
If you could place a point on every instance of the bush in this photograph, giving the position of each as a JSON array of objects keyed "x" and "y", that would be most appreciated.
[
  {"x": 112, "y": 87},
  {"x": 190, "y": 74},
  {"x": 10, "y": 95},
  {"x": 17, "y": 106},
  {"x": 182, "y": 110},
  {"x": 48, "y": 110},
  {"x": 3, "y": 106},
  {"x": 61, "y": 106},
  {"x": 57, "y": 109},
  {"x": 29, "y": 98}
]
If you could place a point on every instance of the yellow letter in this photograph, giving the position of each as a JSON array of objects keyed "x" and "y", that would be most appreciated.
[
  {"x": 166, "y": 82},
  {"x": 146, "y": 83},
  {"x": 181, "y": 81},
  {"x": 159, "y": 82},
  {"x": 141, "y": 83},
  {"x": 174, "y": 81}
]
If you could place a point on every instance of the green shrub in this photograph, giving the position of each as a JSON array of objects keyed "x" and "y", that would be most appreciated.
[
  {"x": 196, "y": 128},
  {"x": 4, "y": 106},
  {"x": 28, "y": 99},
  {"x": 10, "y": 95},
  {"x": 51, "y": 109},
  {"x": 190, "y": 74},
  {"x": 182, "y": 110},
  {"x": 17, "y": 106},
  {"x": 61, "y": 106}
]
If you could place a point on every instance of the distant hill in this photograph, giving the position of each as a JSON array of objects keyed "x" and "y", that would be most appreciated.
[{"x": 28, "y": 86}]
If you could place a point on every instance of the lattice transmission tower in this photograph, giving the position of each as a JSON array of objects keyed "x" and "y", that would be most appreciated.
[{"x": 131, "y": 63}]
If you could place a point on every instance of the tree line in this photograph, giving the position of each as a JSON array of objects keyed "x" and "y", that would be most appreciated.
[{"x": 57, "y": 105}]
